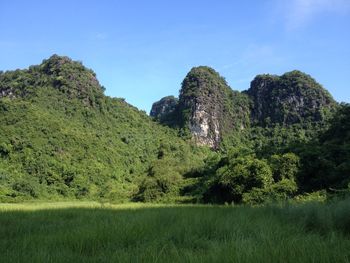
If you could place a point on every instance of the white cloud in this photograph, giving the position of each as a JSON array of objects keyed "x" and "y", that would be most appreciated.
[{"x": 299, "y": 13}]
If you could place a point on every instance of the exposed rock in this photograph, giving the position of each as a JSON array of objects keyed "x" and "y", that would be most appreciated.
[
  {"x": 162, "y": 108},
  {"x": 210, "y": 110},
  {"x": 292, "y": 98},
  {"x": 7, "y": 93},
  {"x": 207, "y": 106},
  {"x": 205, "y": 127}
]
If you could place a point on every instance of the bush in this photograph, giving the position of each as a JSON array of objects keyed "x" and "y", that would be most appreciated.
[
  {"x": 26, "y": 188},
  {"x": 161, "y": 181},
  {"x": 240, "y": 175},
  {"x": 318, "y": 196}
]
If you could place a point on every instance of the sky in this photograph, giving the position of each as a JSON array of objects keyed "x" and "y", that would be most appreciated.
[{"x": 142, "y": 50}]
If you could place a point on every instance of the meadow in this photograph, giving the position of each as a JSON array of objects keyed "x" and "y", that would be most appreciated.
[{"x": 94, "y": 232}]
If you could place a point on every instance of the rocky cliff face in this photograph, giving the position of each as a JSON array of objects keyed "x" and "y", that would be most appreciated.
[
  {"x": 164, "y": 107},
  {"x": 292, "y": 98},
  {"x": 201, "y": 105},
  {"x": 209, "y": 109}
]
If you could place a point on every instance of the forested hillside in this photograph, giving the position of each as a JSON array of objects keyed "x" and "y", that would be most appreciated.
[{"x": 62, "y": 138}]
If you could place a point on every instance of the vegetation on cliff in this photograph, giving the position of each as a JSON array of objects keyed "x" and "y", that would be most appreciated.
[
  {"x": 294, "y": 97},
  {"x": 208, "y": 109},
  {"x": 62, "y": 138}
]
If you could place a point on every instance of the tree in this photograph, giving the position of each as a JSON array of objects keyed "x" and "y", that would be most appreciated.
[
  {"x": 240, "y": 175},
  {"x": 162, "y": 181},
  {"x": 284, "y": 166}
]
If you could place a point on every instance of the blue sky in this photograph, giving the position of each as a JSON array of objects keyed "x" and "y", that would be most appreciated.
[{"x": 141, "y": 50}]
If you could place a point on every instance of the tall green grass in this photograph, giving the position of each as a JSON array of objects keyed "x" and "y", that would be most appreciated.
[{"x": 88, "y": 232}]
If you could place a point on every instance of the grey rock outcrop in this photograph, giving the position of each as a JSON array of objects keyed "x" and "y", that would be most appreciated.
[
  {"x": 211, "y": 111},
  {"x": 292, "y": 98},
  {"x": 164, "y": 107}
]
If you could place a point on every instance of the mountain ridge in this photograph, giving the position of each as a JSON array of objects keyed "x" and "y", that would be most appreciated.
[
  {"x": 62, "y": 138},
  {"x": 210, "y": 109}
]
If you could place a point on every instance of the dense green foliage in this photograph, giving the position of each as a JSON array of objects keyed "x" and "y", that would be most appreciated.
[
  {"x": 241, "y": 176},
  {"x": 90, "y": 233},
  {"x": 326, "y": 160},
  {"x": 271, "y": 139},
  {"x": 60, "y": 137},
  {"x": 278, "y": 167}
]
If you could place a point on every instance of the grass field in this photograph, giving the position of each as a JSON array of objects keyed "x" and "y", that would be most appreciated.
[{"x": 89, "y": 232}]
